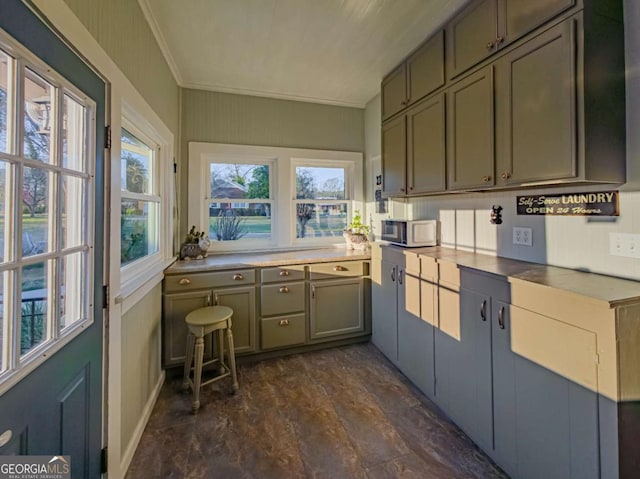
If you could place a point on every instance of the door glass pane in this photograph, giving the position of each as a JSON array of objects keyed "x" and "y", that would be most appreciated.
[
  {"x": 139, "y": 229},
  {"x": 136, "y": 165},
  {"x": 35, "y": 211},
  {"x": 4, "y": 212},
  {"x": 3, "y": 315},
  {"x": 314, "y": 220},
  {"x": 33, "y": 308},
  {"x": 73, "y": 281},
  {"x": 233, "y": 221},
  {"x": 239, "y": 180},
  {"x": 320, "y": 183},
  {"x": 39, "y": 117},
  {"x": 72, "y": 216},
  {"x": 4, "y": 101},
  {"x": 73, "y": 134}
]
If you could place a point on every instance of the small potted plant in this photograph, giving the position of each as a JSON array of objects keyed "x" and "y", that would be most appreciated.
[
  {"x": 195, "y": 245},
  {"x": 356, "y": 233}
]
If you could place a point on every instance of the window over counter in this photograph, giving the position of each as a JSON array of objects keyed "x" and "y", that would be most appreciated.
[
  {"x": 47, "y": 132},
  {"x": 255, "y": 197}
]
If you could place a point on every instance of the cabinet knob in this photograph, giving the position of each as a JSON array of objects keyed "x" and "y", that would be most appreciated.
[
  {"x": 483, "y": 312},
  {"x": 489, "y": 45},
  {"x": 402, "y": 190},
  {"x": 284, "y": 289},
  {"x": 238, "y": 277},
  {"x": 486, "y": 179},
  {"x": 283, "y": 322},
  {"x": 284, "y": 272},
  {"x": 184, "y": 281},
  {"x": 505, "y": 176},
  {"x": 339, "y": 268},
  {"x": 499, "y": 40}
]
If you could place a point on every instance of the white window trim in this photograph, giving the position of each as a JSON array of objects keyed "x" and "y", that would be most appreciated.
[
  {"x": 135, "y": 274},
  {"x": 282, "y": 188}
]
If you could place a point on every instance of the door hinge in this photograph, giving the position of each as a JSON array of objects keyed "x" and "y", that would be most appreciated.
[
  {"x": 105, "y": 296},
  {"x": 107, "y": 137},
  {"x": 103, "y": 460}
]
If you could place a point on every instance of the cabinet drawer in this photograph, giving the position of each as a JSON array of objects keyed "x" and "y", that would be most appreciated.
[
  {"x": 282, "y": 299},
  {"x": 282, "y": 273},
  {"x": 283, "y": 331},
  {"x": 189, "y": 282},
  {"x": 331, "y": 270}
]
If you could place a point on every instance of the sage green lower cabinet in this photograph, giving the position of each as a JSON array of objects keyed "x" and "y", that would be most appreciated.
[
  {"x": 243, "y": 302},
  {"x": 282, "y": 331},
  {"x": 384, "y": 301},
  {"x": 336, "y": 307},
  {"x": 176, "y": 307}
]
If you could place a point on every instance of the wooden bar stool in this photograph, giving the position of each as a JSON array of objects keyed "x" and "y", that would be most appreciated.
[{"x": 201, "y": 322}]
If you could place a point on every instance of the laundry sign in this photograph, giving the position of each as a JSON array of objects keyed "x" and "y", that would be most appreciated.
[{"x": 601, "y": 203}]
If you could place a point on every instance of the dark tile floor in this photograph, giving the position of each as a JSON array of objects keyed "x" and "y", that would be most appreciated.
[{"x": 338, "y": 413}]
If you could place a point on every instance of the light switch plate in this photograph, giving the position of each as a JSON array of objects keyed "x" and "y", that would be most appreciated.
[
  {"x": 522, "y": 236},
  {"x": 624, "y": 244}
]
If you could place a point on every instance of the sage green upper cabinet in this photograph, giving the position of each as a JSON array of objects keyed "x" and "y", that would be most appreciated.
[
  {"x": 421, "y": 74},
  {"x": 523, "y": 16},
  {"x": 537, "y": 108},
  {"x": 394, "y": 153},
  {"x": 472, "y": 36},
  {"x": 394, "y": 92},
  {"x": 470, "y": 146},
  {"x": 426, "y": 146},
  {"x": 425, "y": 69}
]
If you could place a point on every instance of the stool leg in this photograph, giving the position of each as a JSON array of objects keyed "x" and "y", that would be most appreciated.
[
  {"x": 197, "y": 373},
  {"x": 232, "y": 360},
  {"x": 220, "y": 336},
  {"x": 187, "y": 362}
]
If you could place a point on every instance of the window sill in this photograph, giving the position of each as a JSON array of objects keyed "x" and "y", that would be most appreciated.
[{"x": 138, "y": 286}]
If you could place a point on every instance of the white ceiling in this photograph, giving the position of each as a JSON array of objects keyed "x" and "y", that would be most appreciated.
[{"x": 325, "y": 51}]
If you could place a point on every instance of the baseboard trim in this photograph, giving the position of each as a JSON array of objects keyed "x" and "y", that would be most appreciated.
[{"x": 137, "y": 433}]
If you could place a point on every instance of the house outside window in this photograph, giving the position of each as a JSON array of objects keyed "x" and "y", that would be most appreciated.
[{"x": 46, "y": 200}]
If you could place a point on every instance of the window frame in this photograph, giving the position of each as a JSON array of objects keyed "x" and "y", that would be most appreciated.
[
  {"x": 282, "y": 189},
  {"x": 17, "y": 365}
]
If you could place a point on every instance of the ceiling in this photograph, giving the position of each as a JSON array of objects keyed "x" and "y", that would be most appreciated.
[{"x": 324, "y": 51}]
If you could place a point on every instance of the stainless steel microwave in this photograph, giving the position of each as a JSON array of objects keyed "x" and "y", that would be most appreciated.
[{"x": 411, "y": 233}]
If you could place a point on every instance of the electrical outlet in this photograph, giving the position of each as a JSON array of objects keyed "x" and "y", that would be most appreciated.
[
  {"x": 522, "y": 236},
  {"x": 624, "y": 244}
]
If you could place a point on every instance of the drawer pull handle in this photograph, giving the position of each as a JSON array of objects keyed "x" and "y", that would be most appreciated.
[
  {"x": 284, "y": 272},
  {"x": 393, "y": 274},
  {"x": 5, "y": 437},
  {"x": 184, "y": 281},
  {"x": 339, "y": 268},
  {"x": 501, "y": 317},
  {"x": 284, "y": 289},
  {"x": 238, "y": 277},
  {"x": 284, "y": 322},
  {"x": 483, "y": 314}
]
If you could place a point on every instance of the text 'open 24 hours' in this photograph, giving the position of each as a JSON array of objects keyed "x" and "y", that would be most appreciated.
[{"x": 602, "y": 203}]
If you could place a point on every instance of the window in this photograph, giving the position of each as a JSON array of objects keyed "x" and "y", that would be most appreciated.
[
  {"x": 269, "y": 197},
  {"x": 230, "y": 219},
  {"x": 46, "y": 201},
  {"x": 139, "y": 199}
]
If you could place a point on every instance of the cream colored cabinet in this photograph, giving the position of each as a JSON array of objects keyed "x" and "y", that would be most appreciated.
[{"x": 422, "y": 73}]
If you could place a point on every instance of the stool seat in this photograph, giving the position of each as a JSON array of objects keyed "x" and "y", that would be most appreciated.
[
  {"x": 208, "y": 315},
  {"x": 201, "y": 322}
]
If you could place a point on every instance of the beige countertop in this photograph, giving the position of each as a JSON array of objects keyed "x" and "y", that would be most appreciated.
[
  {"x": 600, "y": 287},
  {"x": 265, "y": 259}
]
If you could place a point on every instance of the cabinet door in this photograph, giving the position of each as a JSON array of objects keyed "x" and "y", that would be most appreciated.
[
  {"x": 384, "y": 320},
  {"x": 174, "y": 329},
  {"x": 470, "y": 132},
  {"x": 471, "y": 36},
  {"x": 337, "y": 308},
  {"x": 469, "y": 364},
  {"x": 394, "y": 92},
  {"x": 537, "y": 109},
  {"x": 426, "y": 146},
  {"x": 243, "y": 302},
  {"x": 523, "y": 16},
  {"x": 504, "y": 402},
  {"x": 425, "y": 68},
  {"x": 394, "y": 157},
  {"x": 415, "y": 336}
]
